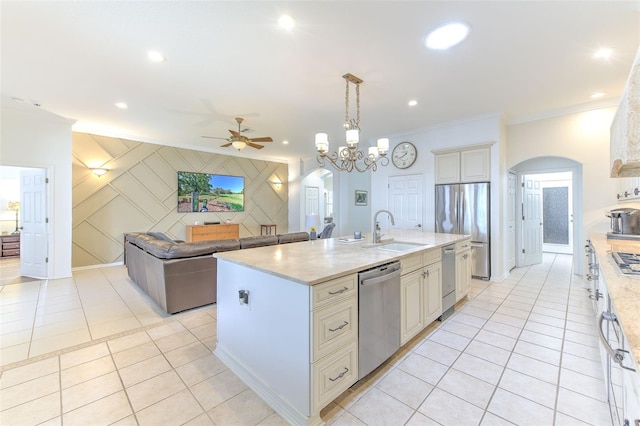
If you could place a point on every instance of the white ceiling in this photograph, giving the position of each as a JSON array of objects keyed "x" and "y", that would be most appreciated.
[{"x": 228, "y": 59}]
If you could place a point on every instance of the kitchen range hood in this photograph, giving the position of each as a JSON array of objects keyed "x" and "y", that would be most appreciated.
[{"x": 625, "y": 128}]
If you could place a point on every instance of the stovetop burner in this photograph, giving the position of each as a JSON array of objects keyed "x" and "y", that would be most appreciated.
[{"x": 629, "y": 263}]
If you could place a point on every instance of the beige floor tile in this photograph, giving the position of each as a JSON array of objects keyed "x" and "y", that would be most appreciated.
[
  {"x": 210, "y": 342},
  {"x": 476, "y": 312},
  {"x": 405, "y": 388},
  {"x": 176, "y": 409},
  {"x": 127, "y": 421},
  {"x": 347, "y": 419},
  {"x": 15, "y": 353},
  {"x": 109, "y": 328},
  {"x": 144, "y": 370},
  {"x": 156, "y": 389},
  {"x": 583, "y": 384},
  {"x": 582, "y": 351},
  {"x": 437, "y": 352},
  {"x": 191, "y": 321},
  {"x": 582, "y": 338},
  {"x": 548, "y": 330},
  {"x": 467, "y": 388},
  {"x": 479, "y": 368},
  {"x": 423, "y": 368},
  {"x": 204, "y": 420},
  {"x": 16, "y": 338},
  {"x": 508, "y": 320},
  {"x": 204, "y": 331},
  {"x": 488, "y": 353},
  {"x": 43, "y": 318},
  {"x": 136, "y": 354},
  {"x": 86, "y": 371},
  {"x": 329, "y": 413},
  {"x": 460, "y": 329},
  {"x": 176, "y": 340},
  {"x": 91, "y": 353},
  {"x": 217, "y": 389},
  {"x": 55, "y": 329},
  {"x": 127, "y": 342},
  {"x": 582, "y": 365},
  {"x": 446, "y": 338},
  {"x": 28, "y": 391},
  {"x": 15, "y": 326},
  {"x": 246, "y": 408},
  {"x": 377, "y": 407},
  {"x": 90, "y": 391},
  {"x": 28, "y": 372},
  {"x": 547, "y": 320},
  {"x": 201, "y": 369},
  {"x": 32, "y": 413},
  {"x": 186, "y": 354},
  {"x": 502, "y": 330},
  {"x": 513, "y": 312},
  {"x": 511, "y": 407},
  {"x": 273, "y": 420},
  {"x": 109, "y": 410},
  {"x": 450, "y": 410},
  {"x": 541, "y": 340},
  {"x": 529, "y": 387},
  {"x": 165, "y": 330},
  {"x": 60, "y": 341}
]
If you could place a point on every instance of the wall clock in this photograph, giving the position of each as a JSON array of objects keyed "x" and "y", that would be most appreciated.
[{"x": 404, "y": 155}]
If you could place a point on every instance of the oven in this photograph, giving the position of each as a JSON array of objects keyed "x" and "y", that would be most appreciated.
[{"x": 593, "y": 277}]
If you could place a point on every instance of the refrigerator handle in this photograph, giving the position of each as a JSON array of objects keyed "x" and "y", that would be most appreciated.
[
  {"x": 456, "y": 211},
  {"x": 461, "y": 220}
]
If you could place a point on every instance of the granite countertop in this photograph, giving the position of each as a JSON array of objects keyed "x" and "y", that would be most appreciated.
[
  {"x": 317, "y": 261},
  {"x": 624, "y": 290}
]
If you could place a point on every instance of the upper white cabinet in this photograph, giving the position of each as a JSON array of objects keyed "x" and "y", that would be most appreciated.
[
  {"x": 625, "y": 128},
  {"x": 462, "y": 165}
]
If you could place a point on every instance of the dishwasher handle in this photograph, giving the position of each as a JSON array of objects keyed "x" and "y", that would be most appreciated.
[
  {"x": 617, "y": 355},
  {"x": 381, "y": 278}
]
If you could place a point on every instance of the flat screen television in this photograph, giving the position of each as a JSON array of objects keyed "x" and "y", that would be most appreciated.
[{"x": 204, "y": 192}]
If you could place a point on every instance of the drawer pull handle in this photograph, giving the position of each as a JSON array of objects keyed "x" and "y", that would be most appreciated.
[
  {"x": 342, "y": 290},
  {"x": 340, "y": 327},
  {"x": 341, "y": 375}
]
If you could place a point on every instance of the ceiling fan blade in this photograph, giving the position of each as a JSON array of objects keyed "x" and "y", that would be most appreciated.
[
  {"x": 215, "y": 137},
  {"x": 255, "y": 145},
  {"x": 234, "y": 133},
  {"x": 264, "y": 139},
  {"x": 225, "y": 145}
]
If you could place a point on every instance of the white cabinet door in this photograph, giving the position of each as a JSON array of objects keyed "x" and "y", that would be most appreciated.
[
  {"x": 631, "y": 389},
  {"x": 432, "y": 293},
  {"x": 463, "y": 273},
  {"x": 447, "y": 168},
  {"x": 475, "y": 165},
  {"x": 410, "y": 306}
]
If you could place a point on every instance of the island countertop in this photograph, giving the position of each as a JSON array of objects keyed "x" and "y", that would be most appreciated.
[
  {"x": 624, "y": 290},
  {"x": 317, "y": 261}
]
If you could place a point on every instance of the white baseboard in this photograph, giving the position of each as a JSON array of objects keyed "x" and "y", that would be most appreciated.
[{"x": 103, "y": 265}]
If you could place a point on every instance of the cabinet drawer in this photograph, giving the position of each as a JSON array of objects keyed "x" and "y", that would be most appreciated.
[
  {"x": 334, "y": 326},
  {"x": 411, "y": 263},
  {"x": 11, "y": 239},
  {"x": 333, "y": 375},
  {"x": 10, "y": 246},
  {"x": 329, "y": 292},
  {"x": 463, "y": 245},
  {"x": 431, "y": 256},
  {"x": 7, "y": 253}
]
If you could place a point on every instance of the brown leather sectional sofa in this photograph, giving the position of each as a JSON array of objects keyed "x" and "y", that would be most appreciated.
[{"x": 180, "y": 276}]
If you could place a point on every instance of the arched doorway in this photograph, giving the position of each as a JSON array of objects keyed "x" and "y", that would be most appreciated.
[
  {"x": 529, "y": 175},
  {"x": 317, "y": 197}
]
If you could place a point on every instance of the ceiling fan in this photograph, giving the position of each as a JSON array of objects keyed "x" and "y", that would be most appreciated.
[{"x": 239, "y": 141}]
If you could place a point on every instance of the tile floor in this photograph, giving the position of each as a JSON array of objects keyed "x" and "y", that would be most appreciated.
[{"x": 522, "y": 351}]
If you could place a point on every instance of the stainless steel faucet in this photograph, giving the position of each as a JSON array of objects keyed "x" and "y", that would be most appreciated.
[{"x": 375, "y": 220}]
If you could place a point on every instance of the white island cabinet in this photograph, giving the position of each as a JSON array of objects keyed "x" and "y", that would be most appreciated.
[{"x": 295, "y": 340}]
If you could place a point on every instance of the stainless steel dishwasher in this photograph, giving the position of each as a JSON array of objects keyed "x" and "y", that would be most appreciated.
[{"x": 379, "y": 316}]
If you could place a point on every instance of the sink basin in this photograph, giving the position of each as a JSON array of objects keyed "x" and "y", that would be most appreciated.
[{"x": 395, "y": 246}]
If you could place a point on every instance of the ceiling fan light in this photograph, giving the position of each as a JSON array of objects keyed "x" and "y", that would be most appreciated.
[
  {"x": 239, "y": 145},
  {"x": 322, "y": 142},
  {"x": 447, "y": 35},
  {"x": 353, "y": 137}
]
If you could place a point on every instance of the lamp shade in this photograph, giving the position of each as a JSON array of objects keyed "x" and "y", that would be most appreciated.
[
  {"x": 322, "y": 142},
  {"x": 239, "y": 145},
  {"x": 312, "y": 220}
]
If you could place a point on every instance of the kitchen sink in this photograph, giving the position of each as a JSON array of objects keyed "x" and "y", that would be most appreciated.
[{"x": 395, "y": 246}]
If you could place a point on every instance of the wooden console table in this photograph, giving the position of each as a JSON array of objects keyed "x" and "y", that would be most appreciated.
[
  {"x": 223, "y": 231},
  {"x": 268, "y": 229},
  {"x": 10, "y": 245}
]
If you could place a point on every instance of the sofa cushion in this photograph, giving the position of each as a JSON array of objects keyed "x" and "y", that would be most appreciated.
[
  {"x": 250, "y": 242},
  {"x": 293, "y": 237},
  {"x": 161, "y": 236}
]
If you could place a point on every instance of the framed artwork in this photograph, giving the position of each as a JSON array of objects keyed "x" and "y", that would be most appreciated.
[{"x": 361, "y": 198}]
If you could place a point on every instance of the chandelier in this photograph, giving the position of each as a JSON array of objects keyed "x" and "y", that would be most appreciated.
[{"x": 349, "y": 158}]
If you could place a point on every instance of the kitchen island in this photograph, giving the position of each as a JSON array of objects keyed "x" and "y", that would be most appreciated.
[{"x": 288, "y": 314}]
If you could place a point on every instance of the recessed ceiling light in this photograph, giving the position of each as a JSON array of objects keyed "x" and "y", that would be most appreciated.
[
  {"x": 603, "y": 53},
  {"x": 597, "y": 95},
  {"x": 413, "y": 102},
  {"x": 286, "y": 22},
  {"x": 285, "y": 142},
  {"x": 447, "y": 35},
  {"x": 121, "y": 105},
  {"x": 155, "y": 56}
]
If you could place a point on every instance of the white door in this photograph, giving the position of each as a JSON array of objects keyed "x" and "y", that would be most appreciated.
[
  {"x": 557, "y": 215},
  {"x": 312, "y": 197},
  {"x": 511, "y": 221},
  {"x": 33, "y": 234},
  {"x": 405, "y": 201},
  {"x": 531, "y": 222}
]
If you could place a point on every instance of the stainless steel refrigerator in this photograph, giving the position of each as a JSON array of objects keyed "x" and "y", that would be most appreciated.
[{"x": 464, "y": 209}]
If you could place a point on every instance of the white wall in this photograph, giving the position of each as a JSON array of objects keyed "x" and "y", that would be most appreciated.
[{"x": 32, "y": 137}]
